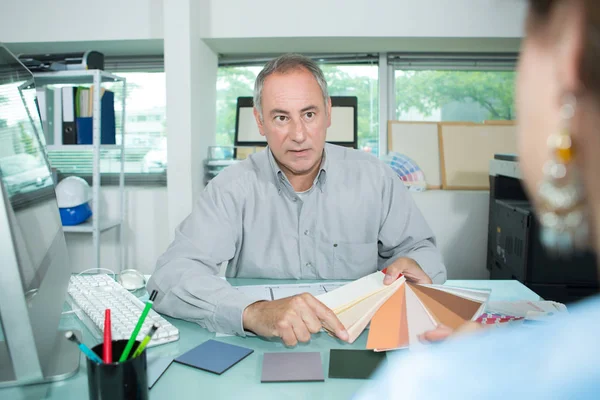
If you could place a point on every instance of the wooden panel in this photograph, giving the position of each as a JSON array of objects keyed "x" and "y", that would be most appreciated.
[
  {"x": 467, "y": 150},
  {"x": 498, "y": 122},
  {"x": 420, "y": 142}
]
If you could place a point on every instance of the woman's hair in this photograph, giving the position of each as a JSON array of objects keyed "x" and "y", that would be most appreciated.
[
  {"x": 541, "y": 8},
  {"x": 541, "y": 17}
]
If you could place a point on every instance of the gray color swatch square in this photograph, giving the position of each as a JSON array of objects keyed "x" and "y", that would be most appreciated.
[{"x": 292, "y": 367}]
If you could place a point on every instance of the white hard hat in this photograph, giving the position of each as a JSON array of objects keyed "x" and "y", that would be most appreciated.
[{"x": 72, "y": 192}]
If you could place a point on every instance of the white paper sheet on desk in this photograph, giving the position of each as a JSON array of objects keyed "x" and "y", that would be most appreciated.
[
  {"x": 276, "y": 292},
  {"x": 280, "y": 292},
  {"x": 526, "y": 308},
  {"x": 259, "y": 291},
  {"x": 156, "y": 367}
]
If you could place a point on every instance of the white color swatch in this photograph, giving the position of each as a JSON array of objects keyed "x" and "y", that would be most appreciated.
[{"x": 419, "y": 320}]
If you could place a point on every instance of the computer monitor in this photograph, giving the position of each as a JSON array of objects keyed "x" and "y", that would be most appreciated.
[
  {"x": 343, "y": 130},
  {"x": 34, "y": 263}
]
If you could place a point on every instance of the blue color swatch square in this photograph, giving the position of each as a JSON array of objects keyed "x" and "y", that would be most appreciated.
[{"x": 214, "y": 356}]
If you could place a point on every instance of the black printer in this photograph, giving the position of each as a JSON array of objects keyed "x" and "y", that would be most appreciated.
[{"x": 514, "y": 248}]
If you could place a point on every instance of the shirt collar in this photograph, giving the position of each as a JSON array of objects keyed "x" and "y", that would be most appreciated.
[{"x": 281, "y": 179}]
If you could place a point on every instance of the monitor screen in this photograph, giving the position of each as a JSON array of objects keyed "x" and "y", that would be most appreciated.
[
  {"x": 25, "y": 174},
  {"x": 343, "y": 129},
  {"x": 35, "y": 251}
]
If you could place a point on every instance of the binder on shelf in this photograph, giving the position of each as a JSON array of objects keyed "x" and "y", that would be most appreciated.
[
  {"x": 69, "y": 132},
  {"x": 45, "y": 104},
  {"x": 107, "y": 111},
  {"x": 57, "y": 129},
  {"x": 85, "y": 131}
]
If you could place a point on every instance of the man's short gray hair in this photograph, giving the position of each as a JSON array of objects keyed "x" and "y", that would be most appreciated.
[{"x": 283, "y": 64}]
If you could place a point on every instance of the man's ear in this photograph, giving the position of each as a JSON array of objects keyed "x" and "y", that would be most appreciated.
[
  {"x": 328, "y": 105},
  {"x": 259, "y": 122},
  {"x": 571, "y": 30}
]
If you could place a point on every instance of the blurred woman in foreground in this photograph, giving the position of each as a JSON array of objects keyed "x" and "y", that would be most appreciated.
[{"x": 558, "y": 108}]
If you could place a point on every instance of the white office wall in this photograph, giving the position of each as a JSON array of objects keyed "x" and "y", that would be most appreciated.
[
  {"x": 73, "y": 20},
  {"x": 459, "y": 220},
  {"x": 146, "y": 231},
  {"x": 191, "y": 69},
  {"x": 79, "y": 20},
  {"x": 367, "y": 18}
]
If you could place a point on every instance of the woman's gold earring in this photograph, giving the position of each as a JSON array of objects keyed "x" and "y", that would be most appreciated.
[{"x": 562, "y": 212}]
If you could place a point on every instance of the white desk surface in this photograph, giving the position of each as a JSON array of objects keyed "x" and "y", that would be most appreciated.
[{"x": 243, "y": 380}]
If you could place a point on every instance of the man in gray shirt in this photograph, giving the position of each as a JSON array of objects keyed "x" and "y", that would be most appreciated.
[{"x": 301, "y": 209}]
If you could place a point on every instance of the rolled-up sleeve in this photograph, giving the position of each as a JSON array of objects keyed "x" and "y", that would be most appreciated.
[
  {"x": 404, "y": 231},
  {"x": 186, "y": 275}
]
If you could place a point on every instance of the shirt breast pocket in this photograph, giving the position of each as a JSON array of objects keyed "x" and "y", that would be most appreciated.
[{"x": 354, "y": 260}]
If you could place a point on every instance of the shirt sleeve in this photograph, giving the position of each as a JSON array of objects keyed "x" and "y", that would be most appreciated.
[
  {"x": 186, "y": 275},
  {"x": 404, "y": 231}
]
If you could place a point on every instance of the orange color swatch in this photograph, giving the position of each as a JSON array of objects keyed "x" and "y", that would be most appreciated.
[{"x": 389, "y": 326}]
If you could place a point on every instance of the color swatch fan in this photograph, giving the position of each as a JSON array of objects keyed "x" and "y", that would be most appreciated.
[
  {"x": 400, "y": 312},
  {"x": 415, "y": 309},
  {"x": 408, "y": 171},
  {"x": 357, "y": 302}
]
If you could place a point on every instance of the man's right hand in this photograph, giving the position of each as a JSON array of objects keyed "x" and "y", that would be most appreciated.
[{"x": 293, "y": 319}]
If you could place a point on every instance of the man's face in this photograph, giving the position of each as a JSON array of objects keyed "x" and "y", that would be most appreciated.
[{"x": 295, "y": 120}]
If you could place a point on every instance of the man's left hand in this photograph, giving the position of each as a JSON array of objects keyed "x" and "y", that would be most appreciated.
[{"x": 407, "y": 267}]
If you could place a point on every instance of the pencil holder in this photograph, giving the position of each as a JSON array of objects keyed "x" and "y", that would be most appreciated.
[{"x": 118, "y": 381}]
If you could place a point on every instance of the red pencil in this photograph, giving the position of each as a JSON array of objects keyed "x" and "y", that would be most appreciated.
[{"x": 107, "y": 347}]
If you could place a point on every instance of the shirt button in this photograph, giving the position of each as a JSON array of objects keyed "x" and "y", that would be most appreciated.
[
  {"x": 306, "y": 232},
  {"x": 295, "y": 199},
  {"x": 308, "y": 265}
]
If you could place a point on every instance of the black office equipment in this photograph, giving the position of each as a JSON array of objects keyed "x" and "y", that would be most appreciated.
[
  {"x": 515, "y": 250},
  {"x": 343, "y": 130},
  {"x": 69, "y": 135},
  {"x": 63, "y": 61}
]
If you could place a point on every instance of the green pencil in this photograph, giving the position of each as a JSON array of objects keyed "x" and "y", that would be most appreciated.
[
  {"x": 145, "y": 342},
  {"x": 135, "y": 332}
]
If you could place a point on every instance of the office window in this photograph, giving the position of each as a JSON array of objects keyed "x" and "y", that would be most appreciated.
[
  {"x": 232, "y": 82},
  {"x": 344, "y": 78},
  {"x": 454, "y": 87},
  {"x": 145, "y": 135}
]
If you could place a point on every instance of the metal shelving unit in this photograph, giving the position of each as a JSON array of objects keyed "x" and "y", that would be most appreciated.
[{"x": 97, "y": 223}]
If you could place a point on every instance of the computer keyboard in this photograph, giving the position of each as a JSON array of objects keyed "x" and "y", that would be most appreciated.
[{"x": 90, "y": 295}]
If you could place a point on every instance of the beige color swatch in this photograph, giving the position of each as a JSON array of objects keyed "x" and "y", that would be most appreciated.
[{"x": 348, "y": 295}]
